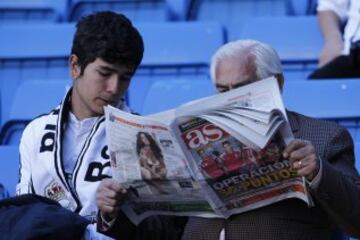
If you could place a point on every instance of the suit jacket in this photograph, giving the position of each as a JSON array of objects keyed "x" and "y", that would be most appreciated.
[{"x": 337, "y": 197}]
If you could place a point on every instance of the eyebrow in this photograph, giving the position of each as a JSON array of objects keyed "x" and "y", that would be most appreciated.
[
  {"x": 107, "y": 68},
  {"x": 236, "y": 85},
  {"x": 112, "y": 69}
]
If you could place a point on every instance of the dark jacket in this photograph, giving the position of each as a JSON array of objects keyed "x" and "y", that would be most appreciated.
[{"x": 36, "y": 217}]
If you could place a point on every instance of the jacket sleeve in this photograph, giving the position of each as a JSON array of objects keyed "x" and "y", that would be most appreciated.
[
  {"x": 152, "y": 228},
  {"x": 26, "y": 154},
  {"x": 338, "y": 191}
]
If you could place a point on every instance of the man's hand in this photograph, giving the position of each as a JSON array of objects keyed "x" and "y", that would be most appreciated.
[
  {"x": 109, "y": 196},
  {"x": 303, "y": 158}
]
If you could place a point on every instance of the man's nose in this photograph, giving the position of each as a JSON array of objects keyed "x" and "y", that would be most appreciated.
[{"x": 113, "y": 84}]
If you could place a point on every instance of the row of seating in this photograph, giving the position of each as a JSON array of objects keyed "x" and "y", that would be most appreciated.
[
  {"x": 326, "y": 99},
  {"x": 40, "y": 51},
  {"x": 153, "y": 10}
]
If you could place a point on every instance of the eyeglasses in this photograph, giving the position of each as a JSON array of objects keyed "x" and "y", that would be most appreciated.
[{"x": 224, "y": 88}]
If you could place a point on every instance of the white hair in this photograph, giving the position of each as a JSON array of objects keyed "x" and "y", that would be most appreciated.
[{"x": 267, "y": 61}]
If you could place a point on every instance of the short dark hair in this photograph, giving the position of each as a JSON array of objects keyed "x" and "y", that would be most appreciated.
[{"x": 109, "y": 36}]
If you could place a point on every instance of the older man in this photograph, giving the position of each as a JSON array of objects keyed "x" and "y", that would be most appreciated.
[{"x": 322, "y": 152}]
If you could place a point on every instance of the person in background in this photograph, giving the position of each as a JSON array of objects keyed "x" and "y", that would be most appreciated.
[{"x": 340, "y": 56}]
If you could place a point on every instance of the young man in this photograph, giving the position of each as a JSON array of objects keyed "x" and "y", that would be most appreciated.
[
  {"x": 63, "y": 154},
  {"x": 322, "y": 152}
]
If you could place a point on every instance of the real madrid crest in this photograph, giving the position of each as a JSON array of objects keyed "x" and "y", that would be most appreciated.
[{"x": 57, "y": 193}]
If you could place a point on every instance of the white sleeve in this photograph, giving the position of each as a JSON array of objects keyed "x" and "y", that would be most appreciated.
[
  {"x": 340, "y": 7},
  {"x": 26, "y": 154}
]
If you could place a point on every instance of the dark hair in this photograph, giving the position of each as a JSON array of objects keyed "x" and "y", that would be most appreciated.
[
  {"x": 154, "y": 147},
  {"x": 109, "y": 36}
]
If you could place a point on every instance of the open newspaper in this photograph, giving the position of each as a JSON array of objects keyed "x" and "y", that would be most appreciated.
[{"x": 213, "y": 157}]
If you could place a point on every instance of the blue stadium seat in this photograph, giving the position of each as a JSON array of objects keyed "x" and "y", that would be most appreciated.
[
  {"x": 327, "y": 99},
  {"x": 234, "y": 13},
  {"x": 301, "y": 7},
  {"x": 171, "y": 91},
  {"x": 173, "y": 50},
  {"x": 298, "y": 41},
  {"x": 357, "y": 155},
  {"x": 32, "y": 11},
  {"x": 32, "y": 99},
  {"x": 136, "y": 10},
  {"x": 180, "y": 43},
  {"x": 178, "y": 10},
  {"x": 32, "y": 51},
  {"x": 9, "y": 167}
]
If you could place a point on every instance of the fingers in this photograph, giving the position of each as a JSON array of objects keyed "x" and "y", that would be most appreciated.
[
  {"x": 303, "y": 158},
  {"x": 109, "y": 196}
]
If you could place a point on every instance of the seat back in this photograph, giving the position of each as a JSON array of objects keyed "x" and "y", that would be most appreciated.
[
  {"x": 9, "y": 167},
  {"x": 171, "y": 91},
  {"x": 232, "y": 14},
  {"x": 357, "y": 155},
  {"x": 327, "y": 99},
  {"x": 32, "y": 11},
  {"x": 32, "y": 51},
  {"x": 183, "y": 52},
  {"x": 297, "y": 40},
  {"x": 32, "y": 98},
  {"x": 138, "y": 10}
]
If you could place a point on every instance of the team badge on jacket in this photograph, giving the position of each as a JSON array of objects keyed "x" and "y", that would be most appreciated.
[{"x": 57, "y": 193}]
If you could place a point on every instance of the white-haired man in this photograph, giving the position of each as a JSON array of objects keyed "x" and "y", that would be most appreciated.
[{"x": 322, "y": 152}]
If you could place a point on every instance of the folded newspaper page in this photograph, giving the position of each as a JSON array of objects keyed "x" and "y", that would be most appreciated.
[{"x": 213, "y": 157}]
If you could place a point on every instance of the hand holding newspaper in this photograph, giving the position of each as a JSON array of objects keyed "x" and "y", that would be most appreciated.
[{"x": 213, "y": 157}]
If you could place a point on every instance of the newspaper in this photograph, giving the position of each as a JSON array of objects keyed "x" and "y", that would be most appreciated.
[{"x": 213, "y": 157}]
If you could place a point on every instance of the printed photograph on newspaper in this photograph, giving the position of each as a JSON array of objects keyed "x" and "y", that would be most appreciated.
[
  {"x": 152, "y": 167},
  {"x": 235, "y": 176}
]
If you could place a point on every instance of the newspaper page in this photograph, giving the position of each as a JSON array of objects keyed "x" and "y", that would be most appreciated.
[
  {"x": 234, "y": 144},
  {"x": 219, "y": 156},
  {"x": 148, "y": 161},
  {"x": 236, "y": 177}
]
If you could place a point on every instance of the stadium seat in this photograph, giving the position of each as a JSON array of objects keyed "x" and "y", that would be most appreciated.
[
  {"x": 178, "y": 10},
  {"x": 171, "y": 91},
  {"x": 334, "y": 100},
  {"x": 32, "y": 98},
  {"x": 32, "y": 11},
  {"x": 9, "y": 167},
  {"x": 232, "y": 14},
  {"x": 301, "y": 7},
  {"x": 32, "y": 51},
  {"x": 136, "y": 10},
  {"x": 185, "y": 50},
  {"x": 357, "y": 155},
  {"x": 298, "y": 41}
]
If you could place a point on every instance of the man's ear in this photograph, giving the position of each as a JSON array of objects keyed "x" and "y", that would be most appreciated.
[
  {"x": 280, "y": 78},
  {"x": 75, "y": 69}
]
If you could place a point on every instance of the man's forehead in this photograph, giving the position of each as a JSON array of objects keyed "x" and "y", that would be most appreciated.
[
  {"x": 116, "y": 67},
  {"x": 234, "y": 70}
]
